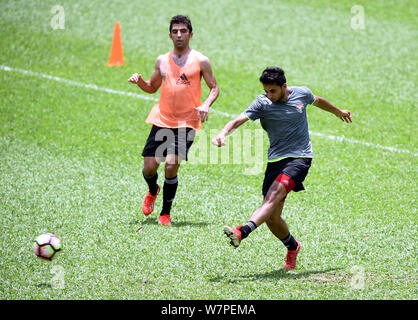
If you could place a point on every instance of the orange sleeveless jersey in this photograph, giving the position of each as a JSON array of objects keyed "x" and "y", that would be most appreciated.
[{"x": 180, "y": 93}]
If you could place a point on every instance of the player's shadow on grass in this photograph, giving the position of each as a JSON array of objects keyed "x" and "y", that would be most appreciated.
[
  {"x": 174, "y": 224},
  {"x": 181, "y": 224},
  {"x": 276, "y": 274}
]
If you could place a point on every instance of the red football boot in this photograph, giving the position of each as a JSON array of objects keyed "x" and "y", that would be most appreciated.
[
  {"x": 290, "y": 262},
  {"x": 234, "y": 234},
  {"x": 148, "y": 204},
  {"x": 164, "y": 220}
]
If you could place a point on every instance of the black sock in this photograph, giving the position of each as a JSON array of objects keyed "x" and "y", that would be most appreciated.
[
  {"x": 169, "y": 193},
  {"x": 247, "y": 229},
  {"x": 290, "y": 242},
  {"x": 152, "y": 183}
]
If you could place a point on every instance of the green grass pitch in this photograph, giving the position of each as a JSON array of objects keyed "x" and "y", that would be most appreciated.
[{"x": 70, "y": 153}]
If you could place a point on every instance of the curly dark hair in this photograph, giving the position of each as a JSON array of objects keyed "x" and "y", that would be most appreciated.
[
  {"x": 181, "y": 19},
  {"x": 273, "y": 75}
]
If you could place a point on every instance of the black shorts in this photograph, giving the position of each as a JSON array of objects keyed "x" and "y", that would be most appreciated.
[
  {"x": 295, "y": 168},
  {"x": 164, "y": 141}
]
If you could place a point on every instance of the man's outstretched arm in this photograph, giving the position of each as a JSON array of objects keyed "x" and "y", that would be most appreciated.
[
  {"x": 219, "y": 141},
  {"x": 324, "y": 104}
]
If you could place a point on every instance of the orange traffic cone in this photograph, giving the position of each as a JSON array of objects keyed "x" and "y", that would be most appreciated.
[{"x": 116, "y": 53}]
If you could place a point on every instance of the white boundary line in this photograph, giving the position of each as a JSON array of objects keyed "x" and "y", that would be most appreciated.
[
  {"x": 75, "y": 83},
  {"x": 225, "y": 114}
]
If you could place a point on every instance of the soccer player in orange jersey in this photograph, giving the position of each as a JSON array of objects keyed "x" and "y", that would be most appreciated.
[{"x": 178, "y": 113}]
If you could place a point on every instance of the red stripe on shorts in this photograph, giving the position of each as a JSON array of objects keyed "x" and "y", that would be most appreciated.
[{"x": 287, "y": 181}]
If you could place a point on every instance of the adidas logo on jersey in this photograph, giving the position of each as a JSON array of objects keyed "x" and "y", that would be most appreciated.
[{"x": 183, "y": 80}]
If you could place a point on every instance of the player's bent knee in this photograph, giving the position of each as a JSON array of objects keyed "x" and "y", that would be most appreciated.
[
  {"x": 150, "y": 171},
  {"x": 171, "y": 170},
  {"x": 150, "y": 164},
  {"x": 277, "y": 193}
]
